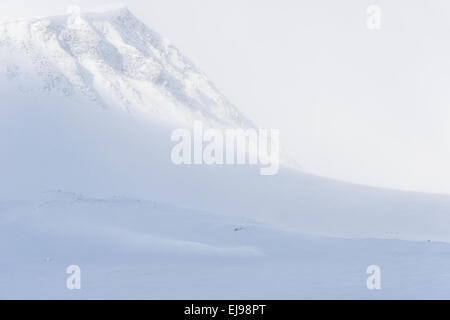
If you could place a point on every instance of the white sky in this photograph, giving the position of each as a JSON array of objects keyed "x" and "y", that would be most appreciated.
[{"x": 370, "y": 107}]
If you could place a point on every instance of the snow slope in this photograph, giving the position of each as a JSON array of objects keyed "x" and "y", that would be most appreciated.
[
  {"x": 131, "y": 248},
  {"x": 88, "y": 106},
  {"x": 114, "y": 60}
]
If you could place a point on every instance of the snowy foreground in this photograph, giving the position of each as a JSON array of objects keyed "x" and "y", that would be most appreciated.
[
  {"x": 156, "y": 251},
  {"x": 88, "y": 106}
]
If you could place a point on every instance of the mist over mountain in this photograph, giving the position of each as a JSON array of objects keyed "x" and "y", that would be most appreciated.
[{"x": 88, "y": 105}]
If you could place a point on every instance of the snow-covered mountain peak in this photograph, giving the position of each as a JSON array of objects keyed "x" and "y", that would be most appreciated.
[{"x": 113, "y": 59}]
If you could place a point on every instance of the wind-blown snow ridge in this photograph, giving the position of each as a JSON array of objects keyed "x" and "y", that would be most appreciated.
[{"x": 111, "y": 58}]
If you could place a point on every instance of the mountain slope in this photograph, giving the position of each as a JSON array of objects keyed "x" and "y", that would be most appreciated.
[
  {"x": 88, "y": 106},
  {"x": 57, "y": 136},
  {"x": 58, "y": 71},
  {"x": 113, "y": 59}
]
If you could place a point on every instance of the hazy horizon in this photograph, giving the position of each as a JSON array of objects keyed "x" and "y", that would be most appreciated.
[{"x": 358, "y": 105}]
